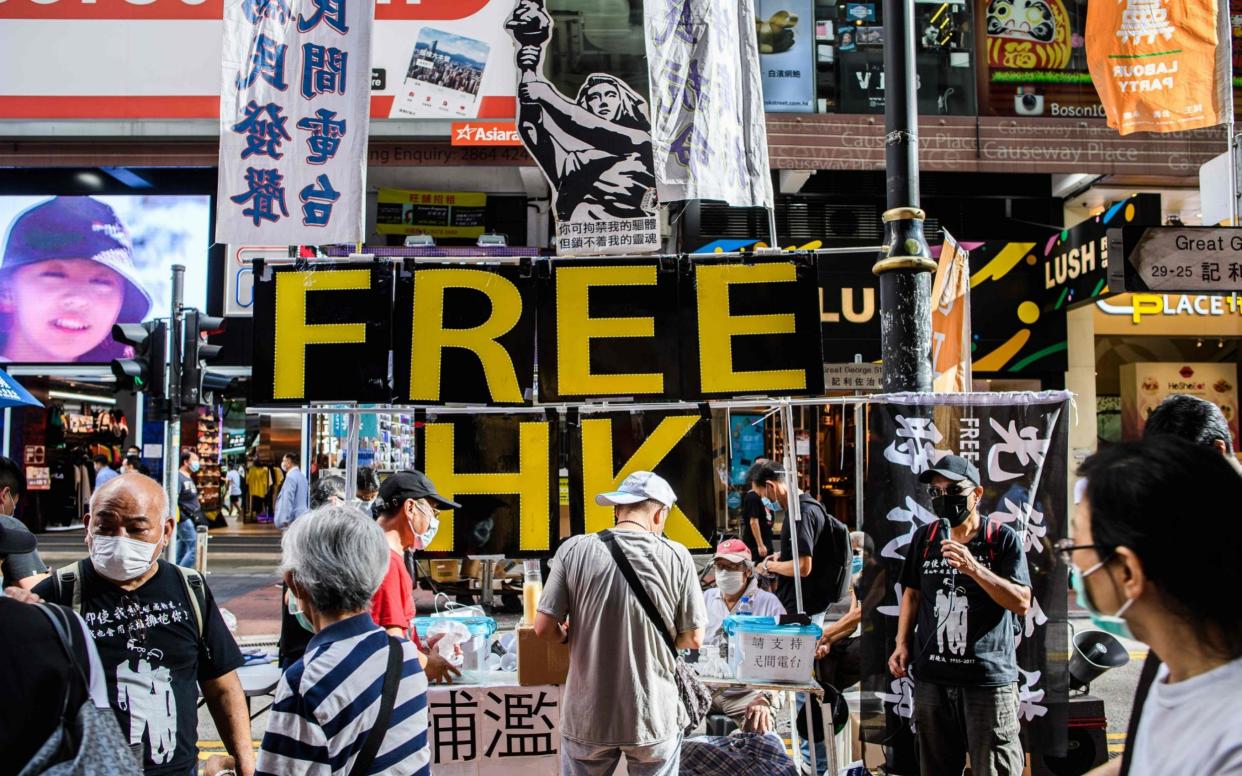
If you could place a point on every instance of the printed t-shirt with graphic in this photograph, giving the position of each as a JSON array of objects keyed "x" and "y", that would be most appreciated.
[
  {"x": 966, "y": 638},
  {"x": 150, "y": 650}
]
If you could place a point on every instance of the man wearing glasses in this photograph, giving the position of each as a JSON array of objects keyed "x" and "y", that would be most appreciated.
[
  {"x": 967, "y": 585},
  {"x": 407, "y": 511},
  {"x": 159, "y": 634}
]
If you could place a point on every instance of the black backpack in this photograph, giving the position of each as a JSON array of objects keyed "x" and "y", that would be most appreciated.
[{"x": 838, "y": 538}]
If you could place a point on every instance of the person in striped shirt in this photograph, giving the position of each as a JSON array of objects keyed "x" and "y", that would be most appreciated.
[{"x": 328, "y": 702}]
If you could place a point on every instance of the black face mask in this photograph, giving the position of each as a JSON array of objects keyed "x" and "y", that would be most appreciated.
[{"x": 952, "y": 508}]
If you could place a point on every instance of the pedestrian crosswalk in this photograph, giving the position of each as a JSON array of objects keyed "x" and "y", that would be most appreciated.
[{"x": 1116, "y": 742}]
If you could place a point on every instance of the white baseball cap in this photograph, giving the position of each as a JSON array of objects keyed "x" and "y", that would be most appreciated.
[{"x": 637, "y": 487}]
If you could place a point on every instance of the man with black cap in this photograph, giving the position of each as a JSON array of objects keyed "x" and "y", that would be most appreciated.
[
  {"x": 967, "y": 584},
  {"x": 407, "y": 511}
]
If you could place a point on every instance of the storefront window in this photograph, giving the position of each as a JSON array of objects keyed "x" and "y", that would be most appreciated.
[
  {"x": 849, "y": 56},
  {"x": 596, "y": 36},
  {"x": 1037, "y": 60}
]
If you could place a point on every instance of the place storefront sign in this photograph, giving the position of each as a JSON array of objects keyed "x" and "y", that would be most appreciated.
[{"x": 1176, "y": 259}]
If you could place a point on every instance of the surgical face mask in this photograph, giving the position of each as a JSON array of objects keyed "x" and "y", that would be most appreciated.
[
  {"x": 295, "y": 609},
  {"x": 423, "y": 540},
  {"x": 952, "y": 508},
  {"x": 194, "y": 466},
  {"x": 1109, "y": 623},
  {"x": 121, "y": 559},
  {"x": 856, "y": 565},
  {"x": 731, "y": 582},
  {"x": 771, "y": 505}
]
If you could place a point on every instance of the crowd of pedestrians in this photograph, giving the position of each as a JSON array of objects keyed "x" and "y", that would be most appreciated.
[{"x": 111, "y": 654}]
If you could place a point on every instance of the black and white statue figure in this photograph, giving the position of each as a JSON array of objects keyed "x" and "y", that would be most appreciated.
[{"x": 595, "y": 150}]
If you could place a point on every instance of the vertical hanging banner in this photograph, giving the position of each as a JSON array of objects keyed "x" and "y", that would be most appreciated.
[
  {"x": 1160, "y": 66},
  {"x": 594, "y": 149},
  {"x": 607, "y": 447},
  {"x": 463, "y": 334},
  {"x": 951, "y": 320},
  {"x": 321, "y": 334},
  {"x": 708, "y": 128},
  {"x": 1019, "y": 443},
  {"x": 294, "y": 121},
  {"x": 501, "y": 468}
]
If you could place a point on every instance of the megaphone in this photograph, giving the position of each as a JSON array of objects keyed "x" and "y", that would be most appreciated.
[{"x": 1094, "y": 653}]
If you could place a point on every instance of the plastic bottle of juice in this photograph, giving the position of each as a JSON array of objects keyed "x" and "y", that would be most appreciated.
[{"x": 532, "y": 588}]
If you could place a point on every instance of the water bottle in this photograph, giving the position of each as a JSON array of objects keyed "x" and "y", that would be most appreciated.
[{"x": 745, "y": 606}]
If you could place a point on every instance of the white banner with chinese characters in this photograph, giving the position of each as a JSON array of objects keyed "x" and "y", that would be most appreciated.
[
  {"x": 494, "y": 730},
  {"x": 293, "y": 121},
  {"x": 1019, "y": 442},
  {"x": 708, "y": 130}
]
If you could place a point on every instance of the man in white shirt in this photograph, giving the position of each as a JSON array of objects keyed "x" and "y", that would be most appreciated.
[{"x": 737, "y": 592}]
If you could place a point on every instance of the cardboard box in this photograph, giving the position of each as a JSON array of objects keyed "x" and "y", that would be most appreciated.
[{"x": 540, "y": 662}]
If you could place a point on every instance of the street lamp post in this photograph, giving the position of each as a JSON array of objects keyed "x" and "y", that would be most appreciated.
[{"x": 905, "y": 264}]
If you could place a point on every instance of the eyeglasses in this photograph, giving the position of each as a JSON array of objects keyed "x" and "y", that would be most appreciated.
[{"x": 1067, "y": 548}]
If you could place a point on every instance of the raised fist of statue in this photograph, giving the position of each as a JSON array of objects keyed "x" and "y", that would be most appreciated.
[{"x": 530, "y": 24}]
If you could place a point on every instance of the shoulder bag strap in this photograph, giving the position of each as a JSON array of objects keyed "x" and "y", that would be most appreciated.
[
  {"x": 1146, "y": 679},
  {"x": 194, "y": 588},
  {"x": 627, "y": 571},
  {"x": 392, "y": 678}
]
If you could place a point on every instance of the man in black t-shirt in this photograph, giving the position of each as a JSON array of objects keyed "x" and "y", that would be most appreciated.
[
  {"x": 158, "y": 630},
  {"x": 966, "y": 583},
  {"x": 823, "y": 548},
  {"x": 756, "y": 524}
]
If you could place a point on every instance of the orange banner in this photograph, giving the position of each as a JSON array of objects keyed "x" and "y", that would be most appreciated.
[
  {"x": 1156, "y": 64},
  {"x": 951, "y": 320}
]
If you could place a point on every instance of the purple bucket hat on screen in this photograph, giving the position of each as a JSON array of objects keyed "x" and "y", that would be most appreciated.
[{"x": 77, "y": 228}]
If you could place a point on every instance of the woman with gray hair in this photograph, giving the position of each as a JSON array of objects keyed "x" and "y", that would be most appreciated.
[{"x": 357, "y": 700}]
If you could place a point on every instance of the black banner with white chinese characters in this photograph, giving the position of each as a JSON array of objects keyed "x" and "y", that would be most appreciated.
[{"x": 1019, "y": 443}]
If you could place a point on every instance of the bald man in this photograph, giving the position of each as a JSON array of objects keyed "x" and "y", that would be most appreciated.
[{"x": 158, "y": 631}]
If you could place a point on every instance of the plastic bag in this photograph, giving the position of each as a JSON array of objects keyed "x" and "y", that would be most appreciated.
[{"x": 456, "y": 635}]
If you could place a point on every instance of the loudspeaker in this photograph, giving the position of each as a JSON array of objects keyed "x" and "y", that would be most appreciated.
[{"x": 1088, "y": 741}]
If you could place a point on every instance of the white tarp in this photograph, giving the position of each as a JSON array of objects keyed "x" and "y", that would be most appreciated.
[
  {"x": 294, "y": 121},
  {"x": 707, "y": 123}
]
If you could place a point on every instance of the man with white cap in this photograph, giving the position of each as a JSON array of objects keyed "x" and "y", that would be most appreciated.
[
  {"x": 616, "y": 653},
  {"x": 737, "y": 592}
]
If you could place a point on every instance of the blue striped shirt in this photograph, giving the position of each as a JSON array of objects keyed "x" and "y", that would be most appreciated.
[{"x": 328, "y": 701}]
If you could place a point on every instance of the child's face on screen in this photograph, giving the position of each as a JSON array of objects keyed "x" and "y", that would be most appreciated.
[{"x": 60, "y": 309}]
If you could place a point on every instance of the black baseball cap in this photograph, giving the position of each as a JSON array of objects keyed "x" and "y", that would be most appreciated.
[
  {"x": 952, "y": 467},
  {"x": 14, "y": 541},
  {"x": 412, "y": 484}
]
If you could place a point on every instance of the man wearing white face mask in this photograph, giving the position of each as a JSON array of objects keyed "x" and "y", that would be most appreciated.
[
  {"x": 157, "y": 628},
  {"x": 735, "y": 581},
  {"x": 408, "y": 503},
  {"x": 188, "y": 508}
]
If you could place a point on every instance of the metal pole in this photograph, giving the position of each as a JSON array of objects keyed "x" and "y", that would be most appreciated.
[
  {"x": 1225, "y": 33},
  {"x": 172, "y": 426},
  {"x": 905, "y": 263},
  {"x": 774, "y": 243},
  {"x": 860, "y": 440},
  {"x": 354, "y": 425}
]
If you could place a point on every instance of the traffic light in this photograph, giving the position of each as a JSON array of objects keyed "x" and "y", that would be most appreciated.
[
  {"x": 194, "y": 356},
  {"x": 145, "y": 371}
]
